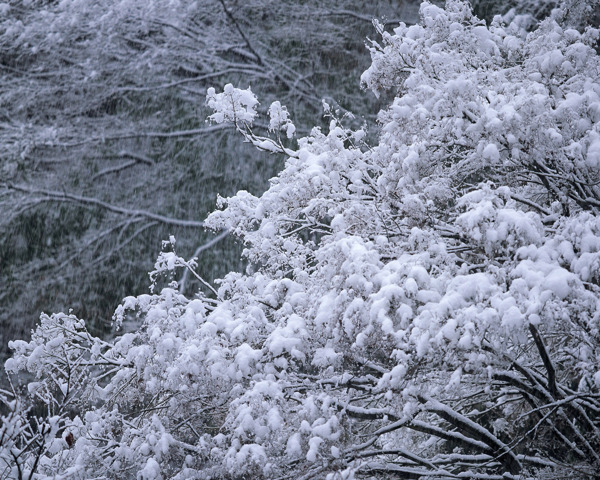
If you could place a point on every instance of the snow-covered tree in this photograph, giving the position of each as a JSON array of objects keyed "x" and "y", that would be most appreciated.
[
  {"x": 423, "y": 307},
  {"x": 99, "y": 99}
]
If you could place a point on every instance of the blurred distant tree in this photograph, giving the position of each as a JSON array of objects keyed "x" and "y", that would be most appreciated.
[{"x": 530, "y": 11}]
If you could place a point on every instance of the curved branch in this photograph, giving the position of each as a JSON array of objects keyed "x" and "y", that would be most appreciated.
[
  {"x": 53, "y": 196},
  {"x": 468, "y": 426}
]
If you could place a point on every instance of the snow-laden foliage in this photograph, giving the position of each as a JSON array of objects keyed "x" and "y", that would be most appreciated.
[{"x": 426, "y": 307}]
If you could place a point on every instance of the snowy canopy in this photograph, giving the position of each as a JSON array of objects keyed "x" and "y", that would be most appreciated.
[{"x": 424, "y": 307}]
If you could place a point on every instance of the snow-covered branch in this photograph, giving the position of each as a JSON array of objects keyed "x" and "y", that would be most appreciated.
[{"x": 54, "y": 196}]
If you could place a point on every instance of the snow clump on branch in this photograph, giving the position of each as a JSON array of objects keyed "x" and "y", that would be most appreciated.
[{"x": 232, "y": 106}]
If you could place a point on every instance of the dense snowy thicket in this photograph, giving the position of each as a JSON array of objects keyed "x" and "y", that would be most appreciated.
[
  {"x": 98, "y": 100},
  {"x": 424, "y": 306}
]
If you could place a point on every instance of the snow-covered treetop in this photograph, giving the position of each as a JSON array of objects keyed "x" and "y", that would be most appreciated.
[{"x": 428, "y": 306}]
